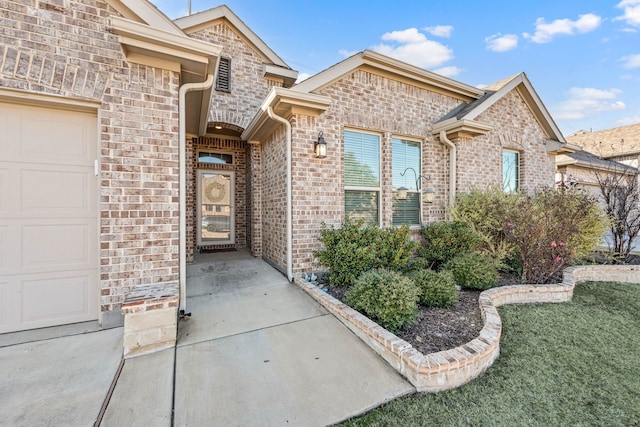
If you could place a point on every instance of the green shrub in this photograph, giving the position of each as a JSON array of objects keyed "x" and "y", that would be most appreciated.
[
  {"x": 486, "y": 212},
  {"x": 436, "y": 289},
  {"x": 552, "y": 228},
  {"x": 473, "y": 271},
  {"x": 386, "y": 297},
  {"x": 355, "y": 248},
  {"x": 537, "y": 235},
  {"x": 442, "y": 241}
]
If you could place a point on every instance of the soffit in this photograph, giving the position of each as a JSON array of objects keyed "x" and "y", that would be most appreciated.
[{"x": 284, "y": 103}]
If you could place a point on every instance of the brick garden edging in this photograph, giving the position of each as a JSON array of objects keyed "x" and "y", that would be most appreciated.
[{"x": 451, "y": 368}]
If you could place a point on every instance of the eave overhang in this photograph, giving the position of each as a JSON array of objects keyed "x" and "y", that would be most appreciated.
[
  {"x": 461, "y": 128},
  {"x": 401, "y": 71},
  {"x": 284, "y": 103},
  {"x": 557, "y": 148},
  {"x": 141, "y": 41}
]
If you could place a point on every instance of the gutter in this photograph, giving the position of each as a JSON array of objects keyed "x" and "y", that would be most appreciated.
[
  {"x": 285, "y": 122},
  {"x": 184, "y": 89},
  {"x": 452, "y": 166}
]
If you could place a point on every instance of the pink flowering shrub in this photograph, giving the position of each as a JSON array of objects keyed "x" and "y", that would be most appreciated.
[
  {"x": 538, "y": 234},
  {"x": 549, "y": 229}
]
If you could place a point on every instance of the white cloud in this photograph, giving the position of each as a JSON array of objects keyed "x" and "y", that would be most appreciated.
[
  {"x": 583, "y": 102},
  {"x": 347, "y": 53},
  {"x": 302, "y": 77},
  {"x": 631, "y": 120},
  {"x": 631, "y": 12},
  {"x": 440, "y": 30},
  {"x": 546, "y": 31},
  {"x": 415, "y": 48},
  {"x": 631, "y": 61},
  {"x": 449, "y": 71},
  {"x": 501, "y": 43}
]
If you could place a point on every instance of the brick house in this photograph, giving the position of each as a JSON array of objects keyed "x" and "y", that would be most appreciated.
[{"x": 128, "y": 142}]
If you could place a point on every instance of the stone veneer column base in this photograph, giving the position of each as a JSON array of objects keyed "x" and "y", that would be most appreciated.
[{"x": 150, "y": 318}]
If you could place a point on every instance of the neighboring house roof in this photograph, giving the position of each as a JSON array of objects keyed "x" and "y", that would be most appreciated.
[
  {"x": 591, "y": 161},
  {"x": 492, "y": 94},
  {"x": 274, "y": 65},
  {"x": 620, "y": 141}
]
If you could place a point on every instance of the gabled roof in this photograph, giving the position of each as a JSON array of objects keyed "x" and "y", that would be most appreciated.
[
  {"x": 495, "y": 92},
  {"x": 144, "y": 12},
  {"x": 400, "y": 70},
  {"x": 192, "y": 23},
  {"x": 274, "y": 65},
  {"x": 612, "y": 142}
]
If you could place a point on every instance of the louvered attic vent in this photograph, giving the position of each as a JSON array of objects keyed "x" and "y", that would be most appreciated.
[{"x": 223, "y": 82}]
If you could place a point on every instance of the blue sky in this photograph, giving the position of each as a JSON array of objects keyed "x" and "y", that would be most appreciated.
[{"x": 582, "y": 56}]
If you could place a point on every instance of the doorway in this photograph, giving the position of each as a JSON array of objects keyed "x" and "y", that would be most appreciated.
[{"x": 216, "y": 207}]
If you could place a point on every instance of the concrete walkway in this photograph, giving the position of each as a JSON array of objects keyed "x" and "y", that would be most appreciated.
[{"x": 257, "y": 351}]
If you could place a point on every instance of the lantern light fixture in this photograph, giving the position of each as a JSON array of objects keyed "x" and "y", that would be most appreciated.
[
  {"x": 320, "y": 147},
  {"x": 427, "y": 194}
]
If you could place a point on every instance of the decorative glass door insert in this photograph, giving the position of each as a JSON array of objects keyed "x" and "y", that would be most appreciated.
[{"x": 216, "y": 207}]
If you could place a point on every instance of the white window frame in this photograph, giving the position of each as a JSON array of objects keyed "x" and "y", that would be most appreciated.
[
  {"x": 518, "y": 168},
  {"x": 419, "y": 174},
  {"x": 377, "y": 189}
]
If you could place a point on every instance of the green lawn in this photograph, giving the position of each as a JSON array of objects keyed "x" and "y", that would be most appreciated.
[{"x": 569, "y": 364}]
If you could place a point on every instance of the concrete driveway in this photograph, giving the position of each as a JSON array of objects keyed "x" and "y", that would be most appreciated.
[
  {"x": 57, "y": 376},
  {"x": 257, "y": 351}
]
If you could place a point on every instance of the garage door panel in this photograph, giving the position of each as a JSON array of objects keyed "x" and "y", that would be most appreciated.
[
  {"x": 4, "y": 190},
  {"x": 49, "y": 235},
  {"x": 46, "y": 135},
  {"x": 7, "y": 305},
  {"x": 57, "y": 191},
  {"x": 57, "y": 246},
  {"x": 65, "y": 298}
]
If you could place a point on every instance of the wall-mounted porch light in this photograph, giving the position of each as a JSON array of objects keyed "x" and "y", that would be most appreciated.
[
  {"x": 320, "y": 147},
  {"x": 427, "y": 194}
]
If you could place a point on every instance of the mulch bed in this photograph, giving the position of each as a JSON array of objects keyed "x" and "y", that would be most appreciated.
[{"x": 440, "y": 329}]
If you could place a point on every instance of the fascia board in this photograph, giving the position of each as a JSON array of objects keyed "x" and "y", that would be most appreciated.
[
  {"x": 287, "y": 75},
  {"x": 282, "y": 101},
  {"x": 526, "y": 90},
  {"x": 142, "y": 39},
  {"x": 145, "y": 12},
  {"x": 330, "y": 75},
  {"x": 402, "y": 70},
  {"x": 466, "y": 126},
  {"x": 191, "y": 23},
  {"x": 421, "y": 75}
]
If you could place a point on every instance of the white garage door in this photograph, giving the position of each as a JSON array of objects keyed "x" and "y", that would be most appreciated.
[{"x": 48, "y": 217}]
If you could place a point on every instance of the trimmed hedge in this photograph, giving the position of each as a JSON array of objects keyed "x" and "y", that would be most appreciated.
[{"x": 386, "y": 297}]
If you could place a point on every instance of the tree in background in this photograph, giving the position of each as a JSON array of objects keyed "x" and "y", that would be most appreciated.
[{"x": 619, "y": 192}]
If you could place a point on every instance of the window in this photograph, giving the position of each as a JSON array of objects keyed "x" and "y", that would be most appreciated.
[
  {"x": 223, "y": 81},
  {"x": 362, "y": 176},
  {"x": 510, "y": 171},
  {"x": 404, "y": 155},
  {"x": 217, "y": 158}
]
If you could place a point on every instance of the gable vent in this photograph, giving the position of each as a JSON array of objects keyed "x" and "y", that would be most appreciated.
[{"x": 223, "y": 82}]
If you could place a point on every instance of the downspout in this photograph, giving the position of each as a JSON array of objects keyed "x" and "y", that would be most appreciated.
[
  {"x": 182, "y": 135},
  {"x": 287, "y": 125},
  {"x": 452, "y": 167}
]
